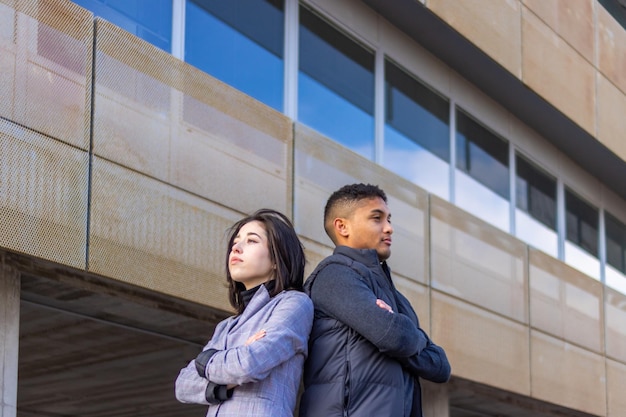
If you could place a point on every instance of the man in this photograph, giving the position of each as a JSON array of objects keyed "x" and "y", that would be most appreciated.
[{"x": 366, "y": 349}]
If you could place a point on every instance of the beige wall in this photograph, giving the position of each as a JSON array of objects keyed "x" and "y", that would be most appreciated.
[
  {"x": 177, "y": 156},
  {"x": 551, "y": 46}
]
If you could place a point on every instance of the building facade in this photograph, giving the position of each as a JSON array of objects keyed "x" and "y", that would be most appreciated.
[{"x": 132, "y": 134}]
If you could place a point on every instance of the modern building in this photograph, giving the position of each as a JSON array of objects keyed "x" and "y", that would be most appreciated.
[{"x": 133, "y": 133}]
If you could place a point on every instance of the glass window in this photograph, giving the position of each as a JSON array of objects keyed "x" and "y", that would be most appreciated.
[
  {"x": 482, "y": 175},
  {"x": 417, "y": 135},
  {"x": 240, "y": 42},
  {"x": 152, "y": 24},
  {"x": 617, "y": 9},
  {"x": 581, "y": 245},
  {"x": 335, "y": 85},
  {"x": 615, "y": 243},
  {"x": 615, "y": 253},
  {"x": 535, "y": 196}
]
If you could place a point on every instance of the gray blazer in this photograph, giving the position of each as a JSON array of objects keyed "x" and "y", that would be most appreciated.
[{"x": 268, "y": 371}]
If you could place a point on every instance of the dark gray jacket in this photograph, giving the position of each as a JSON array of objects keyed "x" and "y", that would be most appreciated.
[{"x": 363, "y": 360}]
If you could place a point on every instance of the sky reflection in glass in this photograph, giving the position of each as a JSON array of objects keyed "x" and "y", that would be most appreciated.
[
  {"x": 581, "y": 259},
  {"x": 536, "y": 233},
  {"x": 417, "y": 133},
  {"x": 243, "y": 47},
  {"x": 482, "y": 175},
  {"x": 332, "y": 116},
  {"x": 335, "y": 85},
  {"x": 152, "y": 24},
  {"x": 411, "y": 161},
  {"x": 615, "y": 279},
  {"x": 481, "y": 201}
]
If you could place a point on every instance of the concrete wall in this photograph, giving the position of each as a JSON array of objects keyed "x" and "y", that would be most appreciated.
[{"x": 551, "y": 46}]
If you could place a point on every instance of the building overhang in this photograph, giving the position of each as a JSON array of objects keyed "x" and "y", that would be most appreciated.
[{"x": 444, "y": 42}]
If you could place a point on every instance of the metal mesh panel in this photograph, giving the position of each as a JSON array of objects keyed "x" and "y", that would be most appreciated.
[
  {"x": 43, "y": 196},
  {"x": 564, "y": 302},
  {"x": 160, "y": 116},
  {"x": 45, "y": 67},
  {"x": 615, "y": 311},
  {"x": 150, "y": 234},
  {"x": 477, "y": 261},
  {"x": 322, "y": 166}
]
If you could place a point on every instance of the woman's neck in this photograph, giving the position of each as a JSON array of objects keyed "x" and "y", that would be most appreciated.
[{"x": 247, "y": 294}]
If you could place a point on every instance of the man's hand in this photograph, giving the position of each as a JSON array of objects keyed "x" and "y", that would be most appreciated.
[{"x": 380, "y": 303}]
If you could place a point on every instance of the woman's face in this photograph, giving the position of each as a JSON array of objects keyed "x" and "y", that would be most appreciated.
[{"x": 249, "y": 259}]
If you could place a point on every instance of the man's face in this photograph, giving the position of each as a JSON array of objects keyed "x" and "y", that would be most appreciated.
[{"x": 369, "y": 227}]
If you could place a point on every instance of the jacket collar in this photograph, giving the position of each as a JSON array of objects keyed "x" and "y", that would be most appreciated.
[
  {"x": 367, "y": 257},
  {"x": 260, "y": 298}
]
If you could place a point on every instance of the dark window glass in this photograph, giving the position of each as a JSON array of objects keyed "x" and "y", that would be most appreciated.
[
  {"x": 535, "y": 192},
  {"x": 482, "y": 155},
  {"x": 581, "y": 223},
  {"x": 416, "y": 112},
  {"x": 152, "y": 24},
  {"x": 615, "y": 243},
  {"x": 335, "y": 84},
  {"x": 240, "y": 42},
  {"x": 617, "y": 9}
]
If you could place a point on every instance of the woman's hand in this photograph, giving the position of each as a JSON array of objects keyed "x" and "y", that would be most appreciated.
[{"x": 258, "y": 335}]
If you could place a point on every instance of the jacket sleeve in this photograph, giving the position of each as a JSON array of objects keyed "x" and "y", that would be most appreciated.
[
  {"x": 191, "y": 387},
  {"x": 340, "y": 292},
  {"x": 430, "y": 364},
  {"x": 287, "y": 334}
]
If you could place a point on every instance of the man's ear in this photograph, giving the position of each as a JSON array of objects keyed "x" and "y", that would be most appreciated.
[{"x": 342, "y": 227}]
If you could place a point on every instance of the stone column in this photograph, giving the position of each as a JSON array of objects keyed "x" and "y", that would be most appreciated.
[
  {"x": 435, "y": 399},
  {"x": 9, "y": 337}
]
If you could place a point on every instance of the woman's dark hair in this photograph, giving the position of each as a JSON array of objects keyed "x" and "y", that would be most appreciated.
[{"x": 286, "y": 252}]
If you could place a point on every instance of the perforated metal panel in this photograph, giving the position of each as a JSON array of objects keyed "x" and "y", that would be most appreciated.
[
  {"x": 43, "y": 196},
  {"x": 45, "y": 67},
  {"x": 162, "y": 117},
  {"x": 178, "y": 158},
  {"x": 478, "y": 262},
  {"x": 150, "y": 234}
]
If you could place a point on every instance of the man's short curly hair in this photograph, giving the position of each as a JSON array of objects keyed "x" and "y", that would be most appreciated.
[{"x": 342, "y": 202}]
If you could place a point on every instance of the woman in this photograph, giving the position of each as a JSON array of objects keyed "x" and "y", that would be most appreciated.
[{"x": 253, "y": 364}]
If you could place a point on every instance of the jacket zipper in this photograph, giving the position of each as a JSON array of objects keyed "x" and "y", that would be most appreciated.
[
  {"x": 346, "y": 389},
  {"x": 347, "y": 378}
]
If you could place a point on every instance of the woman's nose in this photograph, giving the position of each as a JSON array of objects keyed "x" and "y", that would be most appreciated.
[{"x": 236, "y": 248}]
